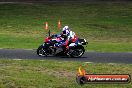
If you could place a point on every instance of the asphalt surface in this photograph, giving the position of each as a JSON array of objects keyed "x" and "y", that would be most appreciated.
[{"x": 87, "y": 57}]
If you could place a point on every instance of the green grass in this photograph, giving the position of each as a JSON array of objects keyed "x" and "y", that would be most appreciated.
[
  {"x": 55, "y": 74},
  {"x": 107, "y": 26}
]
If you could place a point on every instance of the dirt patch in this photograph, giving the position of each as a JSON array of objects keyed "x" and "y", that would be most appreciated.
[{"x": 56, "y": 73}]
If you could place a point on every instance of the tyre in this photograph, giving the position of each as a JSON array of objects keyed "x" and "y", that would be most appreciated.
[
  {"x": 78, "y": 52},
  {"x": 80, "y": 80},
  {"x": 41, "y": 51}
]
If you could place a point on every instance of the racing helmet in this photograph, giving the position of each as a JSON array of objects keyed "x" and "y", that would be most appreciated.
[{"x": 65, "y": 30}]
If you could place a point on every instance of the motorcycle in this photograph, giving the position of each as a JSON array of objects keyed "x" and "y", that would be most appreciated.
[{"x": 48, "y": 47}]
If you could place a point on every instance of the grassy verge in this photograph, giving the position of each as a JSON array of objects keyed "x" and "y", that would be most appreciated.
[
  {"x": 54, "y": 74},
  {"x": 107, "y": 28}
]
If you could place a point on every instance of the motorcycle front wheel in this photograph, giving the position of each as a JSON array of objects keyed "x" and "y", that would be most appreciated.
[{"x": 41, "y": 51}]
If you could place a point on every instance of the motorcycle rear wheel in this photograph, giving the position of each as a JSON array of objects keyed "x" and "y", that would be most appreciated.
[{"x": 77, "y": 52}]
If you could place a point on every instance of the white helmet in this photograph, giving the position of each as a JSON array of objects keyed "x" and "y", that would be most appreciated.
[{"x": 65, "y": 30}]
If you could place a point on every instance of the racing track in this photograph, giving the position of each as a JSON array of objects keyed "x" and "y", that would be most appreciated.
[{"x": 87, "y": 57}]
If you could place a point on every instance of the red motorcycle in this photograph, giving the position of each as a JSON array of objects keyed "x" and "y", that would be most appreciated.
[{"x": 48, "y": 47}]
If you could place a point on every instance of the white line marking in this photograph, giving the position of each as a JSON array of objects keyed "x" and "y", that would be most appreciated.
[
  {"x": 88, "y": 62},
  {"x": 17, "y": 59}
]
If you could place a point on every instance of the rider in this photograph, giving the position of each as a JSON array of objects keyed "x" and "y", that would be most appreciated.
[{"x": 67, "y": 37}]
